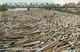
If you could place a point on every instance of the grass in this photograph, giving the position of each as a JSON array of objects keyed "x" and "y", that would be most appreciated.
[{"x": 67, "y": 11}]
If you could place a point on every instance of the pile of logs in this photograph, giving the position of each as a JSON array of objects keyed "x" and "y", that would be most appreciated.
[
  {"x": 48, "y": 41},
  {"x": 41, "y": 31}
]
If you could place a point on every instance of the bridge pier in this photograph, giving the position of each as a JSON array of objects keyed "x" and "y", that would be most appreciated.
[
  {"x": 28, "y": 8},
  {"x": 47, "y": 8}
]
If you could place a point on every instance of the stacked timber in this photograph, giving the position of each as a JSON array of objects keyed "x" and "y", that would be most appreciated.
[{"x": 39, "y": 31}]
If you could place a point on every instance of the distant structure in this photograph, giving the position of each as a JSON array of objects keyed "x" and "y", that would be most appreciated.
[
  {"x": 37, "y": 5},
  {"x": 78, "y": 3},
  {"x": 71, "y": 5},
  {"x": 31, "y": 5}
]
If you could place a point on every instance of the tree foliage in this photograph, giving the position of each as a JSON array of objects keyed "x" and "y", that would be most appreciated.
[{"x": 2, "y": 8}]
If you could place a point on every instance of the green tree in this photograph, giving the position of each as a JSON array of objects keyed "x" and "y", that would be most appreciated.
[{"x": 2, "y": 8}]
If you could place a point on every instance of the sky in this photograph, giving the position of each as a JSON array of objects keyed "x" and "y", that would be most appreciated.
[{"x": 29, "y": 1}]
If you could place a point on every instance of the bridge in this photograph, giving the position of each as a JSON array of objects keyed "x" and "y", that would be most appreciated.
[{"x": 34, "y": 5}]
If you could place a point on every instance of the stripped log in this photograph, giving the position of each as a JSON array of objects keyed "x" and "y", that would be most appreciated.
[
  {"x": 32, "y": 43},
  {"x": 62, "y": 47},
  {"x": 47, "y": 46}
]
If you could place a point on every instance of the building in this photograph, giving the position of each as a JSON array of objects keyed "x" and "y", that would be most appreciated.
[{"x": 70, "y": 5}]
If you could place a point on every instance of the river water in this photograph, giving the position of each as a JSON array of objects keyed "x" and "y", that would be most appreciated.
[{"x": 15, "y": 9}]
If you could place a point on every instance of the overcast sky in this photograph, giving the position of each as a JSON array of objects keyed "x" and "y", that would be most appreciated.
[{"x": 28, "y": 1}]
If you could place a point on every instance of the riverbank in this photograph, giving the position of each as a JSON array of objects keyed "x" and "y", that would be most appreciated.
[{"x": 69, "y": 11}]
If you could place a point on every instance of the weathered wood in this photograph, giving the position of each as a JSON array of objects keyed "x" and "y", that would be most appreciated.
[
  {"x": 31, "y": 43},
  {"x": 46, "y": 46}
]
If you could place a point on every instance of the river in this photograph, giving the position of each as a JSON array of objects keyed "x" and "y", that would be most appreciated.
[{"x": 15, "y": 9}]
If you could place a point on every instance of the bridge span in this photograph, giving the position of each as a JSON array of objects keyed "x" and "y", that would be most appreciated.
[{"x": 34, "y": 5}]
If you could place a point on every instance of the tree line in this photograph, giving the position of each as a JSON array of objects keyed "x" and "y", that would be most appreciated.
[{"x": 2, "y": 8}]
